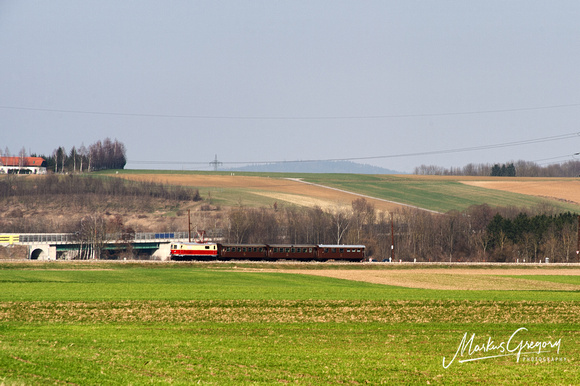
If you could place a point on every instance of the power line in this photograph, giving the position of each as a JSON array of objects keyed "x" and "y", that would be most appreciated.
[
  {"x": 401, "y": 155},
  {"x": 239, "y": 117}
]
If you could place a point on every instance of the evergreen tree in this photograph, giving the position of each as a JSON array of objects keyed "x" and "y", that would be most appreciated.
[{"x": 511, "y": 170}]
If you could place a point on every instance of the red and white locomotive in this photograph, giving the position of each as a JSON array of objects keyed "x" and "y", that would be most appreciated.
[{"x": 194, "y": 251}]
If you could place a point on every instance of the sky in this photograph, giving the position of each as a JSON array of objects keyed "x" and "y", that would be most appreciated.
[{"x": 395, "y": 84}]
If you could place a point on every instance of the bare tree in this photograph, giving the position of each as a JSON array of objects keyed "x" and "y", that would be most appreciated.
[
  {"x": 239, "y": 226},
  {"x": 83, "y": 153},
  {"x": 21, "y": 157},
  {"x": 341, "y": 220},
  {"x": 92, "y": 236},
  {"x": 363, "y": 214},
  {"x": 569, "y": 237},
  {"x": 319, "y": 223}
]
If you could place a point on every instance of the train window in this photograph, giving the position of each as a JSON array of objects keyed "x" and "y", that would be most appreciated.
[
  {"x": 333, "y": 250},
  {"x": 325, "y": 250},
  {"x": 341, "y": 250},
  {"x": 358, "y": 250},
  {"x": 309, "y": 250},
  {"x": 287, "y": 250},
  {"x": 207, "y": 247},
  {"x": 348, "y": 251},
  {"x": 292, "y": 250}
]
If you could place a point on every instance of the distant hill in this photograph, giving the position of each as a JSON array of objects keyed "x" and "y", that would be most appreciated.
[{"x": 317, "y": 167}]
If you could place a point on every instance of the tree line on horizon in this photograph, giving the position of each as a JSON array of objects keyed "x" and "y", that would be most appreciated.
[
  {"x": 512, "y": 169},
  {"x": 101, "y": 155}
]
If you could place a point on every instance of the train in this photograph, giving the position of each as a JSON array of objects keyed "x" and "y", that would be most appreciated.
[{"x": 266, "y": 252}]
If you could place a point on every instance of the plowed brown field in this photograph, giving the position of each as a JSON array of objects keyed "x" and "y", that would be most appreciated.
[
  {"x": 453, "y": 279},
  {"x": 287, "y": 190},
  {"x": 562, "y": 190}
]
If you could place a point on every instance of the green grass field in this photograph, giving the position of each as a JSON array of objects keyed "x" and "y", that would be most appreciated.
[
  {"x": 186, "y": 323},
  {"x": 438, "y": 194}
]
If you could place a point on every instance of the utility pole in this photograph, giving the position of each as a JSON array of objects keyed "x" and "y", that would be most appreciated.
[
  {"x": 392, "y": 239},
  {"x": 578, "y": 247},
  {"x": 189, "y": 224},
  {"x": 215, "y": 163}
]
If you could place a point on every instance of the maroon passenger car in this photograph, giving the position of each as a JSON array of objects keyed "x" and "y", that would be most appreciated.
[
  {"x": 243, "y": 251},
  {"x": 341, "y": 252},
  {"x": 292, "y": 252}
]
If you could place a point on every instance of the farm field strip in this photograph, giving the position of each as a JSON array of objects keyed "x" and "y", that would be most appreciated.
[
  {"x": 267, "y": 353},
  {"x": 372, "y": 199},
  {"x": 291, "y": 311},
  {"x": 454, "y": 279},
  {"x": 562, "y": 190},
  {"x": 180, "y": 282}
]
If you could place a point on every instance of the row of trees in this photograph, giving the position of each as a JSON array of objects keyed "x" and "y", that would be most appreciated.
[
  {"x": 519, "y": 168},
  {"x": 528, "y": 236},
  {"x": 101, "y": 155},
  {"x": 75, "y": 185},
  {"x": 480, "y": 233}
]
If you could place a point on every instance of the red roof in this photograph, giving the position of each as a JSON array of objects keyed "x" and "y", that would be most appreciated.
[{"x": 26, "y": 161}]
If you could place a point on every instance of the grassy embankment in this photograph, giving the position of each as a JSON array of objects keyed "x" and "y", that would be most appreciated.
[{"x": 182, "y": 324}]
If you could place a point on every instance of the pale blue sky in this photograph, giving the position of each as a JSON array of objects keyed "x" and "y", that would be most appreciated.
[{"x": 272, "y": 80}]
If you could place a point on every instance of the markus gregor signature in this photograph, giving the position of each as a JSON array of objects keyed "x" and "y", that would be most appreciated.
[{"x": 512, "y": 347}]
